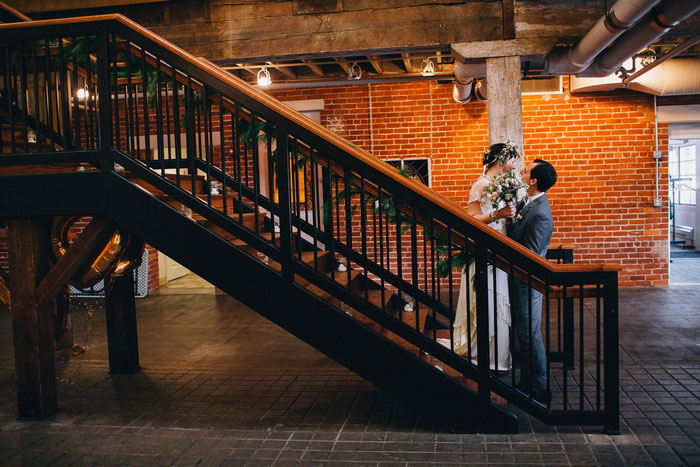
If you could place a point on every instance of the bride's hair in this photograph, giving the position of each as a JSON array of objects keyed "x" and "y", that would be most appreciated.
[{"x": 499, "y": 153}]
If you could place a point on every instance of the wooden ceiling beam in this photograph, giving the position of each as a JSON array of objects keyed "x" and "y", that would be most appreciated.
[
  {"x": 375, "y": 61},
  {"x": 284, "y": 70},
  {"x": 315, "y": 68},
  {"x": 407, "y": 62},
  {"x": 343, "y": 64}
]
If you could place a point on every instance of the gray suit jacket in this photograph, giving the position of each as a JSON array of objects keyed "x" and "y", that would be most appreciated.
[{"x": 534, "y": 230}]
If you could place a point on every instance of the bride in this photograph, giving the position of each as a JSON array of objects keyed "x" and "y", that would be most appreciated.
[{"x": 498, "y": 159}]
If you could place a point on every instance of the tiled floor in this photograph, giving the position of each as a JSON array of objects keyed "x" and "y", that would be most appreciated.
[{"x": 220, "y": 385}]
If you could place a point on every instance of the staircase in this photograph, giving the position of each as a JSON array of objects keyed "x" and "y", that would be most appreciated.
[{"x": 303, "y": 227}]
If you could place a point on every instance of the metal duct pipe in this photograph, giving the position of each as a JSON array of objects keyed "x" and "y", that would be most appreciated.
[
  {"x": 465, "y": 73},
  {"x": 678, "y": 76},
  {"x": 462, "y": 91},
  {"x": 619, "y": 18},
  {"x": 655, "y": 25},
  {"x": 481, "y": 90}
]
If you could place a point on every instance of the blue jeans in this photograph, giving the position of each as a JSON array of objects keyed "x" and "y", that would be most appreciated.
[{"x": 533, "y": 359}]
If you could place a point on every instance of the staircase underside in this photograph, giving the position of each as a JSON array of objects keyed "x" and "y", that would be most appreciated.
[{"x": 291, "y": 306}]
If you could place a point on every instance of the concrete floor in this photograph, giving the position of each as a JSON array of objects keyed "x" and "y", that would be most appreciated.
[{"x": 220, "y": 385}]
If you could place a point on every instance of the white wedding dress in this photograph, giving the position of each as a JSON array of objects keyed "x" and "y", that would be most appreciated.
[{"x": 461, "y": 326}]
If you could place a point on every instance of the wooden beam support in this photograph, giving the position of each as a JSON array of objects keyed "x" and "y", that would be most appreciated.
[
  {"x": 122, "y": 337},
  {"x": 377, "y": 64},
  {"x": 505, "y": 102},
  {"x": 287, "y": 71},
  {"x": 28, "y": 258},
  {"x": 343, "y": 64},
  {"x": 315, "y": 68},
  {"x": 94, "y": 236},
  {"x": 407, "y": 62}
]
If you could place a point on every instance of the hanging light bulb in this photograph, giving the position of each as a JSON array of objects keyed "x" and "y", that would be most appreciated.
[
  {"x": 428, "y": 67},
  {"x": 264, "y": 78},
  {"x": 354, "y": 72},
  {"x": 83, "y": 94}
]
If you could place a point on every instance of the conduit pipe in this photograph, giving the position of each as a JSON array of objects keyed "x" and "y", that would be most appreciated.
[
  {"x": 462, "y": 91},
  {"x": 653, "y": 26},
  {"x": 621, "y": 16}
]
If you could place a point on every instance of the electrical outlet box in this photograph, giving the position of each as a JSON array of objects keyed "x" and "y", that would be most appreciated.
[
  {"x": 658, "y": 155},
  {"x": 657, "y": 203}
]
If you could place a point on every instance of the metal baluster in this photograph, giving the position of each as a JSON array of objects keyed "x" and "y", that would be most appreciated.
[
  {"x": 129, "y": 103},
  {"x": 159, "y": 120},
  {"x": 511, "y": 281},
  {"x": 168, "y": 117},
  {"x": 190, "y": 139},
  {"x": 105, "y": 104},
  {"x": 414, "y": 261},
  {"x": 348, "y": 223},
  {"x": 529, "y": 331},
  {"x": 397, "y": 213},
  {"x": 611, "y": 353},
  {"x": 23, "y": 90},
  {"x": 177, "y": 131},
  {"x": 113, "y": 59},
  {"x": 237, "y": 165},
  {"x": 482, "y": 324},
  {"x": 271, "y": 178},
  {"x": 10, "y": 84},
  {"x": 581, "y": 352},
  {"x": 381, "y": 244},
  {"x": 207, "y": 147},
  {"x": 565, "y": 373},
  {"x": 285, "y": 205},
  {"x": 363, "y": 230},
  {"x": 314, "y": 206},
  {"x": 49, "y": 99},
  {"x": 74, "y": 96},
  {"x": 597, "y": 347},
  {"x": 37, "y": 115},
  {"x": 89, "y": 99},
  {"x": 256, "y": 178},
  {"x": 222, "y": 152},
  {"x": 450, "y": 292},
  {"x": 548, "y": 371},
  {"x": 433, "y": 274},
  {"x": 145, "y": 103},
  {"x": 495, "y": 311}
]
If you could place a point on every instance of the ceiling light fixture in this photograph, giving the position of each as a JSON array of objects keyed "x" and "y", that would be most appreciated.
[
  {"x": 428, "y": 67},
  {"x": 264, "y": 78},
  {"x": 354, "y": 72}
]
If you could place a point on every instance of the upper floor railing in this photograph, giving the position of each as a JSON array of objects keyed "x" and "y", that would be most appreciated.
[{"x": 105, "y": 91}]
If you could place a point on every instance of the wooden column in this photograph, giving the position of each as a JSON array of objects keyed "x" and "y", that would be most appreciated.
[
  {"x": 28, "y": 249},
  {"x": 505, "y": 103},
  {"x": 122, "y": 338}
]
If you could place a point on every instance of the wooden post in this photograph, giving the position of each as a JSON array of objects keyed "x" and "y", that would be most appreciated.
[
  {"x": 505, "y": 103},
  {"x": 28, "y": 248},
  {"x": 122, "y": 338}
]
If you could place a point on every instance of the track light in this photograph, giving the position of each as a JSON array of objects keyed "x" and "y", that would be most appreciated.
[
  {"x": 428, "y": 67},
  {"x": 354, "y": 72},
  {"x": 264, "y": 78}
]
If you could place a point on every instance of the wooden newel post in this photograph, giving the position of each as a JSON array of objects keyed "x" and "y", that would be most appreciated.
[
  {"x": 33, "y": 331},
  {"x": 122, "y": 337}
]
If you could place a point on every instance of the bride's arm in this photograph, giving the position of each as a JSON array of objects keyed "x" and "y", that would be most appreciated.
[{"x": 474, "y": 210}]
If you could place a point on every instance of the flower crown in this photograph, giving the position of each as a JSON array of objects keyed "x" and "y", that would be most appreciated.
[{"x": 501, "y": 157}]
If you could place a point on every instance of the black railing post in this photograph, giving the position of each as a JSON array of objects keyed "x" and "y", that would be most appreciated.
[
  {"x": 482, "y": 324},
  {"x": 284, "y": 200},
  {"x": 611, "y": 353},
  {"x": 104, "y": 102}
]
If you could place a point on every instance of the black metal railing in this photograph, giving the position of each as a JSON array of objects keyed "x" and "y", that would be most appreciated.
[{"x": 312, "y": 207}]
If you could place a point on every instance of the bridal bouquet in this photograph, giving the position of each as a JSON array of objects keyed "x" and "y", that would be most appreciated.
[{"x": 506, "y": 189}]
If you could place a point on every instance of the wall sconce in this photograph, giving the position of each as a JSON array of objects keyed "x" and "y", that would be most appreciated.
[
  {"x": 354, "y": 72},
  {"x": 264, "y": 78},
  {"x": 82, "y": 94},
  {"x": 428, "y": 67}
]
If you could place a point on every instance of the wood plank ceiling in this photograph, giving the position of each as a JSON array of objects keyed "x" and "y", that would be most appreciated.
[{"x": 314, "y": 41}]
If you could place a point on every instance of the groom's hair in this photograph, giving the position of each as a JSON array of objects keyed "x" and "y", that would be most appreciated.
[{"x": 545, "y": 175}]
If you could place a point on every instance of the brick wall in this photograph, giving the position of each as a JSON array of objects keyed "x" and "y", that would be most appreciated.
[{"x": 600, "y": 143}]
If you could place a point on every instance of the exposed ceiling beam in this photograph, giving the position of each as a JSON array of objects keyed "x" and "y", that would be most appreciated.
[
  {"x": 407, "y": 62},
  {"x": 315, "y": 68},
  {"x": 343, "y": 64},
  {"x": 375, "y": 61},
  {"x": 287, "y": 71}
]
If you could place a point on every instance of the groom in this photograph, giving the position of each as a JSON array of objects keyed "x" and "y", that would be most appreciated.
[{"x": 533, "y": 230}]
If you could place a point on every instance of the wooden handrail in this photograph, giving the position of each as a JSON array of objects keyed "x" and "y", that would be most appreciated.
[
  {"x": 14, "y": 12},
  {"x": 320, "y": 131}
]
